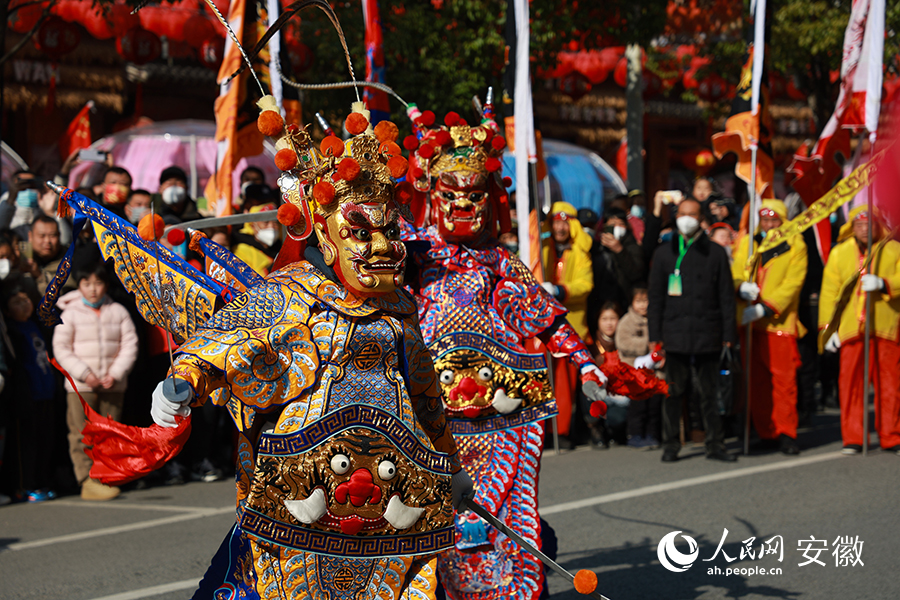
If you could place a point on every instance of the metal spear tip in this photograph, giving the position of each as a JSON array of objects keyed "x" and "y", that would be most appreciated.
[{"x": 59, "y": 189}]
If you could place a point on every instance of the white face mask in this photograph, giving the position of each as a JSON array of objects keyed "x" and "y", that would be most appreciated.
[
  {"x": 637, "y": 211},
  {"x": 138, "y": 213},
  {"x": 619, "y": 232},
  {"x": 4, "y": 267},
  {"x": 687, "y": 226},
  {"x": 267, "y": 236},
  {"x": 174, "y": 194}
]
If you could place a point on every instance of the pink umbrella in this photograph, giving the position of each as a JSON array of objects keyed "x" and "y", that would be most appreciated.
[{"x": 190, "y": 144}]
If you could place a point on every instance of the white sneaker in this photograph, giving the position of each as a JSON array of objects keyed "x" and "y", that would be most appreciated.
[{"x": 850, "y": 450}]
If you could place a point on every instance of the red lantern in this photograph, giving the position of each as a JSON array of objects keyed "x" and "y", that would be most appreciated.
[
  {"x": 620, "y": 75},
  {"x": 300, "y": 55},
  {"x": 712, "y": 88},
  {"x": 139, "y": 46},
  {"x": 198, "y": 30},
  {"x": 212, "y": 52},
  {"x": 113, "y": 23},
  {"x": 56, "y": 38},
  {"x": 704, "y": 162},
  {"x": 574, "y": 85},
  {"x": 24, "y": 18},
  {"x": 609, "y": 57}
]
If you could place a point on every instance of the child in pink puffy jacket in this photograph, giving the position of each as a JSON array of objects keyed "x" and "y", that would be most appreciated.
[{"x": 97, "y": 345}]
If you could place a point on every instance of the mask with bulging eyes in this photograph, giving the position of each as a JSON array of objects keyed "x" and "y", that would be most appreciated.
[
  {"x": 361, "y": 242},
  {"x": 462, "y": 214}
]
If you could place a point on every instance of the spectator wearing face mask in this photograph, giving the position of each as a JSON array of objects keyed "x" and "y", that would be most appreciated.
[
  {"x": 257, "y": 194},
  {"x": 249, "y": 176},
  {"x": 20, "y": 180},
  {"x": 26, "y": 206},
  {"x": 257, "y": 244},
  {"x": 138, "y": 206},
  {"x": 113, "y": 190},
  {"x": 690, "y": 317},
  {"x": 172, "y": 202},
  {"x": 617, "y": 261}
]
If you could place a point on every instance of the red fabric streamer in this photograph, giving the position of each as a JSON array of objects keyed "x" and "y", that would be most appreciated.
[
  {"x": 625, "y": 380},
  {"x": 123, "y": 453}
]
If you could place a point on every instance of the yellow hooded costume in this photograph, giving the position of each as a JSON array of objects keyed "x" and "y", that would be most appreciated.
[
  {"x": 844, "y": 261},
  {"x": 573, "y": 271},
  {"x": 781, "y": 274}
]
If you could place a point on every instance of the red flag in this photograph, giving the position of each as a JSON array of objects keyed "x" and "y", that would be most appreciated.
[
  {"x": 376, "y": 100},
  {"x": 78, "y": 133}
]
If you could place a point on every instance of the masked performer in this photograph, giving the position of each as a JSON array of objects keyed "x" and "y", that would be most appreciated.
[
  {"x": 347, "y": 472},
  {"x": 478, "y": 304}
]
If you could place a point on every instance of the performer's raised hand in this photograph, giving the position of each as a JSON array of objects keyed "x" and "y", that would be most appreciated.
[{"x": 164, "y": 409}]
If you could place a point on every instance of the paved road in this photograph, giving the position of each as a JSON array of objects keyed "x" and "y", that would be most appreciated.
[{"x": 609, "y": 511}]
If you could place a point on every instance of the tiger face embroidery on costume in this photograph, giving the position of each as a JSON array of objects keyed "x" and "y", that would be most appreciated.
[
  {"x": 356, "y": 483},
  {"x": 475, "y": 385}
]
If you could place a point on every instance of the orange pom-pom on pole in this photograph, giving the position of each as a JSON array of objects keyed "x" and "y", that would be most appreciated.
[
  {"x": 585, "y": 582},
  {"x": 348, "y": 169},
  {"x": 269, "y": 123},
  {"x": 356, "y": 123},
  {"x": 285, "y": 159},
  {"x": 289, "y": 215},
  {"x": 151, "y": 227},
  {"x": 386, "y": 132},
  {"x": 332, "y": 145},
  {"x": 398, "y": 166},
  {"x": 323, "y": 193}
]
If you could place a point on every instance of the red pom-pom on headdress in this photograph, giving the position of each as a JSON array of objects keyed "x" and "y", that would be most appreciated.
[
  {"x": 443, "y": 137},
  {"x": 390, "y": 148},
  {"x": 426, "y": 151},
  {"x": 176, "y": 237},
  {"x": 403, "y": 193},
  {"x": 386, "y": 132},
  {"x": 451, "y": 119},
  {"x": 507, "y": 181},
  {"x": 269, "y": 123},
  {"x": 356, "y": 123},
  {"x": 348, "y": 169},
  {"x": 492, "y": 164},
  {"x": 398, "y": 166},
  {"x": 285, "y": 159},
  {"x": 288, "y": 214},
  {"x": 323, "y": 193},
  {"x": 415, "y": 172},
  {"x": 410, "y": 142},
  {"x": 427, "y": 118},
  {"x": 498, "y": 142},
  {"x": 332, "y": 145}
]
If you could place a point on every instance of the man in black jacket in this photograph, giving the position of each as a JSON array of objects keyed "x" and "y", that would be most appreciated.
[{"x": 691, "y": 316}]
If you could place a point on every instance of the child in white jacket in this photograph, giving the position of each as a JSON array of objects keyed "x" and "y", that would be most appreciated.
[{"x": 97, "y": 345}]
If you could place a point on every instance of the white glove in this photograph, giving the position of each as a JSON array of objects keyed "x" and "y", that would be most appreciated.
[
  {"x": 461, "y": 487},
  {"x": 164, "y": 410},
  {"x": 753, "y": 313},
  {"x": 592, "y": 368},
  {"x": 834, "y": 343},
  {"x": 551, "y": 288},
  {"x": 748, "y": 291},
  {"x": 645, "y": 362},
  {"x": 872, "y": 283}
]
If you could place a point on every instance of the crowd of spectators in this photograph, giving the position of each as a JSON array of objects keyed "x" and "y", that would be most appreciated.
[
  {"x": 112, "y": 356},
  {"x": 676, "y": 273}
]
